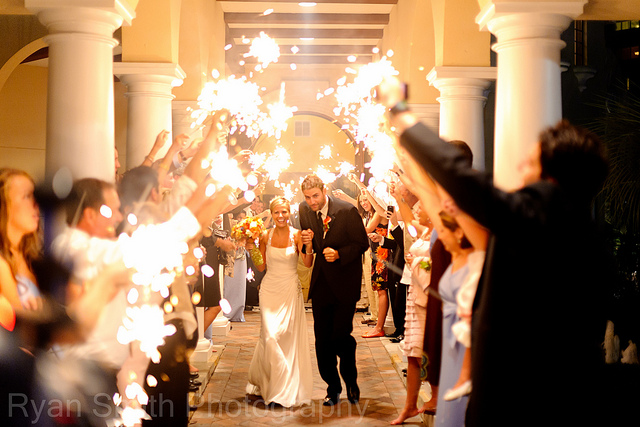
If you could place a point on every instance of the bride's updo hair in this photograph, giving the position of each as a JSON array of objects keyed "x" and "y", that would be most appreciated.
[{"x": 279, "y": 201}]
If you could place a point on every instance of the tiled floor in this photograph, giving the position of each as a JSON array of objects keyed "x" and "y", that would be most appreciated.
[{"x": 382, "y": 390}]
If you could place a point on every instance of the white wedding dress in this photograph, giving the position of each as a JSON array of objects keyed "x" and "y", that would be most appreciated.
[{"x": 280, "y": 370}]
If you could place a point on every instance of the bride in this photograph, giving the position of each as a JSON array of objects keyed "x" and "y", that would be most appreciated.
[{"x": 280, "y": 370}]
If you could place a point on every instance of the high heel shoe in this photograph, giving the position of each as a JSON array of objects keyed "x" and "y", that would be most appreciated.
[{"x": 457, "y": 392}]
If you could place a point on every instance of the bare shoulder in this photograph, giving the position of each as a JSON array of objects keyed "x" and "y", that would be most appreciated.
[
  {"x": 4, "y": 265},
  {"x": 6, "y": 276}
]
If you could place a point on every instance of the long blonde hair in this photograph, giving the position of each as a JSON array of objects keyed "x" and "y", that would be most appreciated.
[{"x": 30, "y": 244}]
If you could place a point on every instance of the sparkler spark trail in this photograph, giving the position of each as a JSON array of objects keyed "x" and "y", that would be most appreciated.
[
  {"x": 325, "y": 152},
  {"x": 264, "y": 49},
  {"x": 364, "y": 117}
]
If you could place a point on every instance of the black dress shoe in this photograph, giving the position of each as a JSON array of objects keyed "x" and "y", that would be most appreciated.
[
  {"x": 393, "y": 335},
  {"x": 397, "y": 339},
  {"x": 331, "y": 400},
  {"x": 353, "y": 393}
]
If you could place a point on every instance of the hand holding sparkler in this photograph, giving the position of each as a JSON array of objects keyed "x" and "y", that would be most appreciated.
[
  {"x": 390, "y": 91},
  {"x": 160, "y": 142},
  {"x": 392, "y": 94},
  {"x": 243, "y": 156},
  {"x": 343, "y": 196},
  {"x": 199, "y": 166},
  {"x": 192, "y": 149}
]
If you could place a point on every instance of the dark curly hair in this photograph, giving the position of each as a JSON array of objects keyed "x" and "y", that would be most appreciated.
[{"x": 575, "y": 158}]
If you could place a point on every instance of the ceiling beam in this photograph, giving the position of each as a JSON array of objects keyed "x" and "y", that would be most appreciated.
[
  {"x": 310, "y": 49},
  {"x": 318, "y": 33},
  {"x": 307, "y": 18},
  {"x": 315, "y": 1},
  {"x": 312, "y": 59}
]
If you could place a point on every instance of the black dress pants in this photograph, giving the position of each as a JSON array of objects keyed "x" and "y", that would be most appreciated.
[
  {"x": 398, "y": 302},
  {"x": 332, "y": 325}
]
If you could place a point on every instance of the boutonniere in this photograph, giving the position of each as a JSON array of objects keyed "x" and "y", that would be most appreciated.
[
  {"x": 425, "y": 264},
  {"x": 325, "y": 223}
]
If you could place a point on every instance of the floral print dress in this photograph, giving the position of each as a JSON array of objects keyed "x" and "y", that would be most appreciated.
[{"x": 379, "y": 270}]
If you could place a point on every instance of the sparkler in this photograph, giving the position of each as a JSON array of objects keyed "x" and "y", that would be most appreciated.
[
  {"x": 364, "y": 117},
  {"x": 264, "y": 49}
]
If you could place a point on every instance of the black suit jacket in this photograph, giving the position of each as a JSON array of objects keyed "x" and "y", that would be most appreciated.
[
  {"x": 347, "y": 235},
  {"x": 539, "y": 295},
  {"x": 396, "y": 245}
]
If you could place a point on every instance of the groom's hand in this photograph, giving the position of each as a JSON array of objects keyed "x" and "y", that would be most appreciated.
[
  {"x": 330, "y": 254},
  {"x": 307, "y": 236}
]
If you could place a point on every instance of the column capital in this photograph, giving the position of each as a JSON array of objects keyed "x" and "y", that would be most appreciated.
[
  {"x": 149, "y": 72},
  {"x": 528, "y": 14},
  {"x": 469, "y": 76},
  {"x": 85, "y": 16}
]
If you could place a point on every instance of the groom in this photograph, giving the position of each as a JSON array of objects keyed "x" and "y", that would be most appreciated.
[{"x": 334, "y": 229}]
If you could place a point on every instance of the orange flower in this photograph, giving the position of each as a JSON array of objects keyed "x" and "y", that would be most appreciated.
[{"x": 248, "y": 228}]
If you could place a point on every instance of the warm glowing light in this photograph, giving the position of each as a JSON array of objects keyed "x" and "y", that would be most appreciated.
[
  {"x": 225, "y": 306},
  {"x": 132, "y": 296},
  {"x": 325, "y": 152},
  {"x": 152, "y": 381},
  {"x": 198, "y": 252},
  {"x": 105, "y": 211},
  {"x": 207, "y": 270},
  {"x": 267, "y": 12},
  {"x": 351, "y": 58},
  {"x": 264, "y": 49},
  {"x": 196, "y": 297}
]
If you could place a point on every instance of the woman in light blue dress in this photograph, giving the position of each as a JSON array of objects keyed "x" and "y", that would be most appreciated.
[{"x": 451, "y": 413}]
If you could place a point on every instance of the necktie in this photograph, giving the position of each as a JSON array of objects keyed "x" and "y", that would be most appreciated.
[{"x": 320, "y": 218}]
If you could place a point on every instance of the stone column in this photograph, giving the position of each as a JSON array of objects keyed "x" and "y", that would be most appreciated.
[
  {"x": 149, "y": 88},
  {"x": 181, "y": 118},
  {"x": 462, "y": 104},
  {"x": 429, "y": 114},
  {"x": 80, "y": 118},
  {"x": 528, "y": 92}
]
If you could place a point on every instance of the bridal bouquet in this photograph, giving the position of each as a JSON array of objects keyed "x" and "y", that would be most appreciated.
[{"x": 249, "y": 228}]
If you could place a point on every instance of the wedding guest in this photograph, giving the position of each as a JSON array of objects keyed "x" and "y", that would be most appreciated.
[
  {"x": 375, "y": 224},
  {"x": 217, "y": 245},
  {"x": 561, "y": 175},
  {"x": 451, "y": 413},
  {"x": 408, "y": 210},
  {"x": 415, "y": 318},
  {"x": 19, "y": 239},
  {"x": 235, "y": 279},
  {"x": 366, "y": 212}
]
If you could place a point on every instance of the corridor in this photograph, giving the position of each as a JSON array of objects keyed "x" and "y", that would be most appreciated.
[{"x": 379, "y": 363}]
